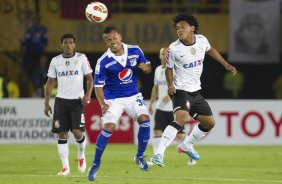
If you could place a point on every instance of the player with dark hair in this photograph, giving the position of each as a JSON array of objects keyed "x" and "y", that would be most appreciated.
[
  {"x": 67, "y": 35},
  {"x": 67, "y": 71},
  {"x": 117, "y": 92},
  {"x": 184, "y": 68}
]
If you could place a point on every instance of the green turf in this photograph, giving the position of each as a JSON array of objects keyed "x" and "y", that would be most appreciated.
[{"x": 32, "y": 164}]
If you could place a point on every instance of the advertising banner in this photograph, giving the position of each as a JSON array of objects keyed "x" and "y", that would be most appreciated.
[
  {"x": 238, "y": 122},
  {"x": 23, "y": 121},
  {"x": 93, "y": 122},
  {"x": 242, "y": 122}
]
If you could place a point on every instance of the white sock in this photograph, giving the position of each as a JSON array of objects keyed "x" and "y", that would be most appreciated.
[
  {"x": 194, "y": 136},
  {"x": 63, "y": 150},
  {"x": 81, "y": 148},
  {"x": 155, "y": 143},
  {"x": 168, "y": 136}
]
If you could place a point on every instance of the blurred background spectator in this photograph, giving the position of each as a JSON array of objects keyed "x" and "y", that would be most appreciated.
[
  {"x": 40, "y": 76},
  {"x": 34, "y": 45}
]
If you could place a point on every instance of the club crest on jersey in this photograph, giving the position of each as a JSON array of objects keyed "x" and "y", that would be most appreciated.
[
  {"x": 133, "y": 62},
  {"x": 67, "y": 63},
  {"x": 125, "y": 74},
  {"x": 193, "y": 51}
]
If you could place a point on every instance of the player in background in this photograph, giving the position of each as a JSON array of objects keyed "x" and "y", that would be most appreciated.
[
  {"x": 116, "y": 89},
  {"x": 184, "y": 68},
  {"x": 163, "y": 105},
  {"x": 67, "y": 71}
]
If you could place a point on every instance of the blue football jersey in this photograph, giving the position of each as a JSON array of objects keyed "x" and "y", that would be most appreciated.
[{"x": 117, "y": 74}]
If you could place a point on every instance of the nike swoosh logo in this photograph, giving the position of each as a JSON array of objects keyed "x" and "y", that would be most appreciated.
[
  {"x": 81, "y": 125},
  {"x": 182, "y": 55},
  {"x": 166, "y": 137}
]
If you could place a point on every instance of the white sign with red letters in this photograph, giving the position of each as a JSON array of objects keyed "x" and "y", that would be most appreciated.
[
  {"x": 241, "y": 122},
  {"x": 238, "y": 122}
]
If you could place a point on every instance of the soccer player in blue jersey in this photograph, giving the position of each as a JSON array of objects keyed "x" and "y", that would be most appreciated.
[{"x": 115, "y": 84}]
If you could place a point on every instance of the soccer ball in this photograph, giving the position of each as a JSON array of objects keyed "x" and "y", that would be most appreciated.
[{"x": 96, "y": 12}]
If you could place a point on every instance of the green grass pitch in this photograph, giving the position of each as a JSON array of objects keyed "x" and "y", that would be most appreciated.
[{"x": 39, "y": 164}]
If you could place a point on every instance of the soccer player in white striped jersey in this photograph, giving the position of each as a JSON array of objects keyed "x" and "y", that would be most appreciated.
[
  {"x": 184, "y": 68},
  {"x": 68, "y": 70}
]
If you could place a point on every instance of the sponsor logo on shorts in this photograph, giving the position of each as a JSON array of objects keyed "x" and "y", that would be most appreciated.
[
  {"x": 188, "y": 104},
  {"x": 57, "y": 124},
  {"x": 82, "y": 121}
]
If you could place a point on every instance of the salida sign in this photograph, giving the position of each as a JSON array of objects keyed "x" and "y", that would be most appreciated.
[{"x": 93, "y": 125}]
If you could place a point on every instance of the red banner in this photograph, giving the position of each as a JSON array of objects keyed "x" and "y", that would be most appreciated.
[{"x": 93, "y": 124}]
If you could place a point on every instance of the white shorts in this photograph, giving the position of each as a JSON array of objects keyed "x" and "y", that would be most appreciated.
[{"x": 134, "y": 106}]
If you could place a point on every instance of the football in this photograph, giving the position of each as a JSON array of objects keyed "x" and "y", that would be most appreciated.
[{"x": 96, "y": 12}]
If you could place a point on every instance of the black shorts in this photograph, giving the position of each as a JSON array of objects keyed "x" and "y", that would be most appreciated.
[
  {"x": 68, "y": 115},
  {"x": 163, "y": 119},
  {"x": 193, "y": 103}
]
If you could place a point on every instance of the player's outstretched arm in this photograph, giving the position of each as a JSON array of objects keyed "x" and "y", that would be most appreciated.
[{"x": 217, "y": 56}]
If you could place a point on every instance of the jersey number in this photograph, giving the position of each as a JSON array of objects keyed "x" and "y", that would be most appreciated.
[{"x": 140, "y": 101}]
